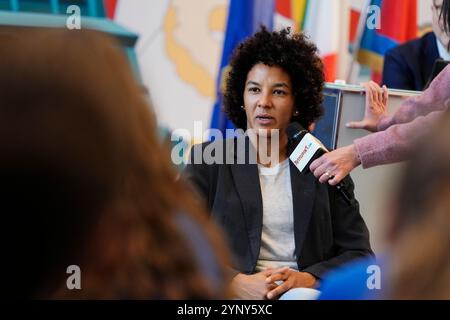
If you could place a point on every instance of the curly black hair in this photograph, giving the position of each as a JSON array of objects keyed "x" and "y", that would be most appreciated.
[{"x": 295, "y": 55}]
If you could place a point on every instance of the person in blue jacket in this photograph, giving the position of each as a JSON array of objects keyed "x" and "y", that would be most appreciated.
[{"x": 409, "y": 66}]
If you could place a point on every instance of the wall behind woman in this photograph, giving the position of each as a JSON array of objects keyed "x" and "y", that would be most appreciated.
[
  {"x": 180, "y": 48},
  {"x": 179, "y": 52}
]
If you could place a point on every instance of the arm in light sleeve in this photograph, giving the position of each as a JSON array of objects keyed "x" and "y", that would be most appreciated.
[{"x": 395, "y": 143}]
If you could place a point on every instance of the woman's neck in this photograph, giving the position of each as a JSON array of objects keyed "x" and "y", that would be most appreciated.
[{"x": 270, "y": 150}]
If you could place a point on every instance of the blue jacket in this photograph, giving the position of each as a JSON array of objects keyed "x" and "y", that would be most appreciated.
[
  {"x": 357, "y": 280},
  {"x": 409, "y": 65}
]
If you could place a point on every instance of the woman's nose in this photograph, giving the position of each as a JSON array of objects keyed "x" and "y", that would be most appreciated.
[{"x": 264, "y": 101}]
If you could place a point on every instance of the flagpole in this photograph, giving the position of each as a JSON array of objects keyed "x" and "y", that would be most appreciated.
[
  {"x": 343, "y": 52},
  {"x": 359, "y": 35}
]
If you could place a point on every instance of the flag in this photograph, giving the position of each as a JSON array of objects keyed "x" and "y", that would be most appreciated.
[
  {"x": 355, "y": 13},
  {"x": 290, "y": 13},
  {"x": 324, "y": 29},
  {"x": 319, "y": 19},
  {"x": 110, "y": 8},
  {"x": 398, "y": 25},
  {"x": 244, "y": 19}
]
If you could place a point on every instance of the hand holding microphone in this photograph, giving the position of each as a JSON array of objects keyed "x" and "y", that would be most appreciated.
[
  {"x": 305, "y": 149},
  {"x": 336, "y": 165}
]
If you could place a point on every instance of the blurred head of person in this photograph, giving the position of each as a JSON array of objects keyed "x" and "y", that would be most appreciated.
[
  {"x": 85, "y": 182},
  {"x": 275, "y": 78},
  {"x": 441, "y": 21},
  {"x": 420, "y": 232}
]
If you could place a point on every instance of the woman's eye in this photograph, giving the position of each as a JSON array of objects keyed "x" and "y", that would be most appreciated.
[
  {"x": 253, "y": 89},
  {"x": 279, "y": 92}
]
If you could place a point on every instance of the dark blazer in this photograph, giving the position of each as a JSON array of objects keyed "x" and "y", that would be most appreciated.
[
  {"x": 328, "y": 231},
  {"x": 409, "y": 65}
]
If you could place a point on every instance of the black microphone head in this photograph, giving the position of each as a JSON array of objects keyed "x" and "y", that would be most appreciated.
[{"x": 295, "y": 131}]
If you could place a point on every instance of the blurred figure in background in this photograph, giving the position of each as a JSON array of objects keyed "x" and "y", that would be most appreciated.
[
  {"x": 409, "y": 66},
  {"x": 417, "y": 263},
  {"x": 84, "y": 181}
]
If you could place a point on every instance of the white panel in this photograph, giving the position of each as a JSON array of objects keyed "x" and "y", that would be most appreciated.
[{"x": 374, "y": 186}]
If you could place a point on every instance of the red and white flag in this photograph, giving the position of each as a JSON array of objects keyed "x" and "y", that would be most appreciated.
[{"x": 323, "y": 26}]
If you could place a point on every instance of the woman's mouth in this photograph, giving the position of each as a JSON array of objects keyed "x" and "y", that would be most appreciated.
[{"x": 264, "y": 119}]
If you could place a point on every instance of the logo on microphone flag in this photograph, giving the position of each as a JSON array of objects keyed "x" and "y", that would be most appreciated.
[{"x": 305, "y": 152}]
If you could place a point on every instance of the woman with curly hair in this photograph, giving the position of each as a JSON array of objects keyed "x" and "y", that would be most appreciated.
[{"x": 284, "y": 229}]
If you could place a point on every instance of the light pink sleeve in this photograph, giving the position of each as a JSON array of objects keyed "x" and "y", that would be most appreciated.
[
  {"x": 395, "y": 143},
  {"x": 399, "y": 132}
]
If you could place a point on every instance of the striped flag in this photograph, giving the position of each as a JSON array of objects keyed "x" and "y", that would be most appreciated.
[
  {"x": 110, "y": 8},
  {"x": 324, "y": 28},
  {"x": 290, "y": 13}
]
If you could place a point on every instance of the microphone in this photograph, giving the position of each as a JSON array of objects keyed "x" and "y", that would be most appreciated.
[{"x": 304, "y": 149}]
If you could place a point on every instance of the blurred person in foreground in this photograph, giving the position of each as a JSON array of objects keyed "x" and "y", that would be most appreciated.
[
  {"x": 284, "y": 229},
  {"x": 84, "y": 181},
  {"x": 416, "y": 264}
]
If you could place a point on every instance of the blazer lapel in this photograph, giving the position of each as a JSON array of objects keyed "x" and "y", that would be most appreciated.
[
  {"x": 303, "y": 194},
  {"x": 246, "y": 180}
]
